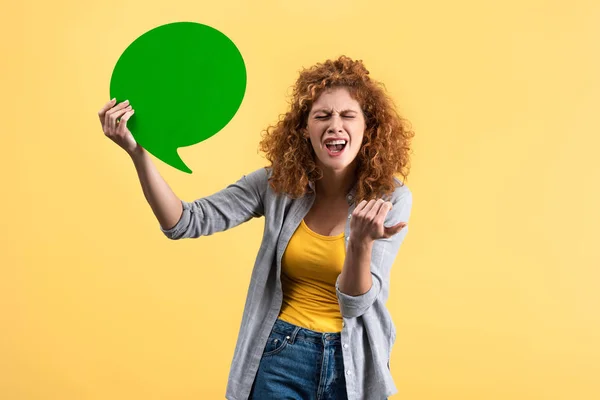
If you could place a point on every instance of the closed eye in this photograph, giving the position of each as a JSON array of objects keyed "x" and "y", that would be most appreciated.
[{"x": 327, "y": 116}]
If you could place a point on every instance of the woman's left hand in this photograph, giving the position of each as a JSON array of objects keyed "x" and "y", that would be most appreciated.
[{"x": 367, "y": 219}]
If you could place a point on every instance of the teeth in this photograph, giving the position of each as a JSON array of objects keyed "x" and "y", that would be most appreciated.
[{"x": 336, "y": 142}]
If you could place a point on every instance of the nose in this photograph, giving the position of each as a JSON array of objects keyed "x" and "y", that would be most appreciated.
[{"x": 336, "y": 124}]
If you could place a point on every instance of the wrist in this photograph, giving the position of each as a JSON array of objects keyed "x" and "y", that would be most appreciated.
[
  {"x": 360, "y": 244},
  {"x": 137, "y": 154}
]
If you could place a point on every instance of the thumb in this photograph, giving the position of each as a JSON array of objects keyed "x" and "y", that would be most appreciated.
[{"x": 390, "y": 231}]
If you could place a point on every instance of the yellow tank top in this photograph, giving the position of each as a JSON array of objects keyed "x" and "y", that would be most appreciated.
[{"x": 310, "y": 266}]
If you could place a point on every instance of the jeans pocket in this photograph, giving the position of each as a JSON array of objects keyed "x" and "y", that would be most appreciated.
[{"x": 275, "y": 344}]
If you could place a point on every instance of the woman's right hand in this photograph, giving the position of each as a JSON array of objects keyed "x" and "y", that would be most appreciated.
[{"x": 117, "y": 131}]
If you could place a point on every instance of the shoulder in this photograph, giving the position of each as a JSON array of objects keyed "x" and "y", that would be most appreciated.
[
  {"x": 402, "y": 193},
  {"x": 259, "y": 177},
  {"x": 401, "y": 200}
]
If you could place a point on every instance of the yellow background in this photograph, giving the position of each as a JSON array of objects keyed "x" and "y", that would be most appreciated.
[{"x": 495, "y": 293}]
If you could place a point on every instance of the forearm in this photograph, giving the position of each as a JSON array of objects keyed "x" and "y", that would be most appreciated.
[
  {"x": 164, "y": 203},
  {"x": 356, "y": 278}
]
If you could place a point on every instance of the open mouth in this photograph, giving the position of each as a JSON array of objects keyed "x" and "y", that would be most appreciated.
[{"x": 335, "y": 147}]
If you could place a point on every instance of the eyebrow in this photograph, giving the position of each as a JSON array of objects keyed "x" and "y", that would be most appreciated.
[{"x": 327, "y": 110}]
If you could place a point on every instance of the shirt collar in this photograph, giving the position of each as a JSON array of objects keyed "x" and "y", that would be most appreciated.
[{"x": 349, "y": 196}]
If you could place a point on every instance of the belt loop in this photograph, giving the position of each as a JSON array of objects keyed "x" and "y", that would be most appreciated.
[{"x": 294, "y": 333}]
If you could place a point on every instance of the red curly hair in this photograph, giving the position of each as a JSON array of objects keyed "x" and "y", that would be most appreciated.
[{"x": 386, "y": 144}]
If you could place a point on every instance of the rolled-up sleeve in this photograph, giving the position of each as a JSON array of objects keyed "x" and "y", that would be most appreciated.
[
  {"x": 182, "y": 224},
  {"x": 231, "y": 206},
  {"x": 355, "y": 306},
  {"x": 383, "y": 254}
]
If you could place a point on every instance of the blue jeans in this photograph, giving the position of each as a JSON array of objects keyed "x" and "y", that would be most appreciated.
[{"x": 300, "y": 364}]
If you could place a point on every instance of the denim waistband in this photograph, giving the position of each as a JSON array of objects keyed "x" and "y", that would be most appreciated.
[{"x": 297, "y": 332}]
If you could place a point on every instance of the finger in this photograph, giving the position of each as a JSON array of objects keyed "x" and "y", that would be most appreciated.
[
  {"x": 113, "y": 110},
  {"x": 120, "y": 118},
  {"x": 392, "y": 230},
  {"x": 115, "y": 115},
  {"x": 117, "y": 107},
  {"x": 123, "y": 124},
  {"x": 383, "y": 211},
  {"x": 114, "y": 118},
  {"x": 359, "y": 207},
  {"x": 375, "y": 210},
  {"x": 106, "y": 107},
  {"x": 368, "y": 207}
]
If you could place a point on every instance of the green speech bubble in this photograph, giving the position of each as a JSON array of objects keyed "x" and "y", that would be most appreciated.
[{"x": 185, "y": 82}]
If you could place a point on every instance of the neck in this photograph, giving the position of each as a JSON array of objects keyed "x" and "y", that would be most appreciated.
[{"x": 335, "y": 184}]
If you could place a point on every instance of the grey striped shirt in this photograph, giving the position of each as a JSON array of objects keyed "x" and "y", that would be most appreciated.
[{"x": 368, "y": 332}]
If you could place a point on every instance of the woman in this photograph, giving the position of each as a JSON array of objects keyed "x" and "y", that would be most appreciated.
[{"x": 315, "y": 324}]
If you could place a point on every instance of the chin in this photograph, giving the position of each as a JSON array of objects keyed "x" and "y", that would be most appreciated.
[{"x": 336, "y": 166}]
